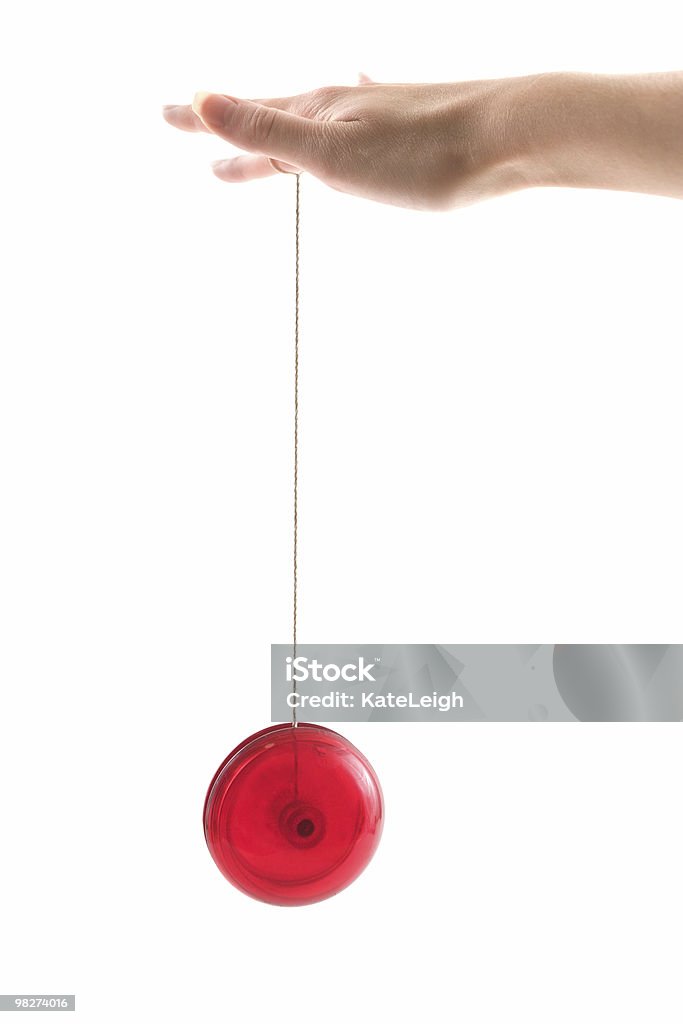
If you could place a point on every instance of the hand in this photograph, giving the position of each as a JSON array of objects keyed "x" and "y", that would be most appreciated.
[
  {"x": 439, "y": 146},
  {"x": 412, "y": 145}
]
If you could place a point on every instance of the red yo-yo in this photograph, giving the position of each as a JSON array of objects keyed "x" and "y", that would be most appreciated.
[{"x": 293, "y": 814}]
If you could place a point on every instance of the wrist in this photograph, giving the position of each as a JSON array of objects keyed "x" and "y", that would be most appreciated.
[
  {"x": 527, "y": 118},
  {"x": 567, "y": 129},
  {"x": 554, "y": 128},
  {"x": 495, "y": 132}
]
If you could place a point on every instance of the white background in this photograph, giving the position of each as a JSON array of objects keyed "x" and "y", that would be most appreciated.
[{"x": 490, "y": 452}]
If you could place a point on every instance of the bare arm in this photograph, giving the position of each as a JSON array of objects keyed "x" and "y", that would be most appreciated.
[{"x": 597, "y": 131}]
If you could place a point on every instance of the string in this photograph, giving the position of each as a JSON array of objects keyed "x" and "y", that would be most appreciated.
[{"x": 296, "y": 448}]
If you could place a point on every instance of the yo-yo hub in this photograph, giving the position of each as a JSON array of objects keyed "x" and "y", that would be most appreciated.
[
  {"x": 293, "y": 814},
  {"x": 302, "y": 824}
]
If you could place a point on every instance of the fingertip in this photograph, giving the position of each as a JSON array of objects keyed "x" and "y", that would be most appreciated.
[
  {"x": 214, "y": 109},
  {"x": 224, "y": 169},
  {"x": 245, "y": 167}
]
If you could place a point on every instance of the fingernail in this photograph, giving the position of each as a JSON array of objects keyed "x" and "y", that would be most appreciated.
[
  {"x": 212, "y": 107},
  {"x": 170, "y": 106}
]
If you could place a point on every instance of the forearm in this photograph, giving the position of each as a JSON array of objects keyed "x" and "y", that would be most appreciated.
[{"x": 577, "y": 130}]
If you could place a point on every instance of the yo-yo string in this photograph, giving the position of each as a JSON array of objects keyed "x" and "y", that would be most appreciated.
[
  {"x": 295, "y": 580},
  {"x": 296, "y": 448}
]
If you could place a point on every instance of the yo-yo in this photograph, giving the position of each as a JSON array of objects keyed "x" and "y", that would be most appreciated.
[{"x": 294, "y": 814}]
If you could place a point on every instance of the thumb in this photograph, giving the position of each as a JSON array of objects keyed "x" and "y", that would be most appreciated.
[{"x": 259, "y": 128}]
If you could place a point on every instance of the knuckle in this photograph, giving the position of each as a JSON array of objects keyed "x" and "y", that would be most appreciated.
[
  {"x": 326, "y": 92},
  {"x": 321, "y": 100},
  {"x": 263, "y": 122}
]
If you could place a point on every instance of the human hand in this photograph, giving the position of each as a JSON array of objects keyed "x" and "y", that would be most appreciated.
[
  {"x": 422, "y": 146},
  {"x": 440, "y": 146}
]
